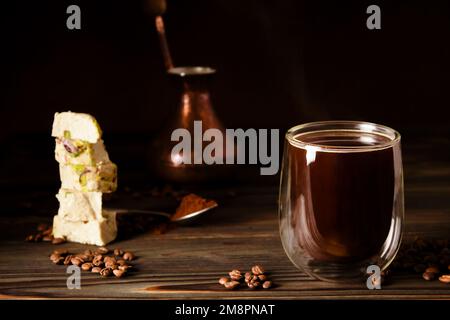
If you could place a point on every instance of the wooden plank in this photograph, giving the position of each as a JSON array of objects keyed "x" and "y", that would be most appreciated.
[{"x": 186, "y": 263}]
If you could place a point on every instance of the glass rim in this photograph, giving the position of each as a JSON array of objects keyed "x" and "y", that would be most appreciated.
[{"x": 348, "y": 125}]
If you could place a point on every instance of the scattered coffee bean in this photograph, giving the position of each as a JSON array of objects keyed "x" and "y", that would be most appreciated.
[
  {"x": 254, "y": 279},
  {"x": 118, "y": 273},
  {"x": 84, "y": 257},
  {"x": 48, "y": 232},
  {"x": 58, "y": 240},
  {"x": 262, "y": 277},
  {"x": 61, "y": 252},
  {"x": 434, "y": 254},
  {"x": 253, "y": 284},
  {"x": 38, "y": 237},
  {"x": 118, "y": 252},
  {"x": 429, "y": 276},
  {"x": 109, "y": 259},
  {"x": 445, "y": 278},
  {"x": 102, "y": 250},
  {"x": 98, "y": 260},
  {"x": 124, "y": 267},
  {"x": 96, "y": 269},
  {"x": 30, "y": 238},
  {"x": 105, "y": 272},
  {"x": 68, "y": 260},
  {"x": 42, "y": 227},
  {"x": 432, "y": 269},
  {"x": 235, "y": 275},
  {"x": 54, "y": 256},
  {"x": 87, "y": 266},
  {"x": 128, "y": 256},
  {"x": 76, "y": 261},
  {"x": 57, "y": 259},
  {"x": 47, "y": 238},
  {"x": 231, "y": 284},
  {"x": 257, "y": 270},
  {"x": 99, "y": 263}
]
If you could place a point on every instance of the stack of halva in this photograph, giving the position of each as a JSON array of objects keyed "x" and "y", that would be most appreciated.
[{"x": 86, "y": 173}]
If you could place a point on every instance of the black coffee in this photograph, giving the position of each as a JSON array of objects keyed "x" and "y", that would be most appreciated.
[{"x": 342, "y": 198}]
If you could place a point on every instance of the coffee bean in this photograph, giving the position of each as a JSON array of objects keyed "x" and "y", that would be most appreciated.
[
  {"x": 30, "y": 238},
  {"x": 48, "y": 232},
  {"x": 267, "y": 284},
  {"x": 84, "y": 257},
  {"x": 87, "y": 266},
  {"x": 121, "y": 262},
  {"x": 58, "y": 240},
  {"x": 445, "y": 278},
  {"x": 76, "y": 261},
  {"x": 433, "y": 269},
  {"x": 38, "y": 237},
  {"x": 110, "y": 264},
  {"x": 124, "y": 267},
  {"x": 61, "y": 252},
  {"x": 47, "y": 238},
  {"x": 102, "y": 250},
  {"x": 118, "y": 273},
  {"x": 98, "y": 261},
  {"x": 54, "y": 256},
  {"x": 257, "y": 270},
  {"x": 88, "y": 252},
  {"x": 230, "y": 285},
  {"x": 68, "y": 260},
  {"x": 248, "y": 275},
  {"x": 262, "y": 277},
  {"x": 41, "y": 227},
  {"x": 109, "y": 259},
  {"x": 253, "y": 284},
  {"x": 223, "y": 280},
  {"x": 57, "y": 259},
  {"x": 429, "y": 276},
  {"x": 235, "y": 275},
  {"x": 96, "y": 269},
  {"x": 106, "y": 272},
  {"x": 128, "y": 256},
  {"x": 118, "y": 252}
]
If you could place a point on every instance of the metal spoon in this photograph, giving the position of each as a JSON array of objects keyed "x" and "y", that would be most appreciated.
[{"x": 184, "y": 219}]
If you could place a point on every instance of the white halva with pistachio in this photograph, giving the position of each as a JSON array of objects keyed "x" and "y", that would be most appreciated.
[
  {"x": 71, "y": 151},
  {"x": 102, "y": 177},
  {"x": 79, "y": 206},
  {"x": 86, "y": 173},
  {"x": 97, "y": 232},
  {"x": 78, "y": 126}
]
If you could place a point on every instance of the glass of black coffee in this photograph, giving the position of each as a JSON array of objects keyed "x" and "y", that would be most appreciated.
[{"x": 341, "y": 198}]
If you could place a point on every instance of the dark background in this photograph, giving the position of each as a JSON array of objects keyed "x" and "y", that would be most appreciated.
[{"x": 280, "y": 63}]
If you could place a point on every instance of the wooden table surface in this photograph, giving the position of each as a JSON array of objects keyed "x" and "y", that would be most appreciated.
[{"x": 186, "y": 262}]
